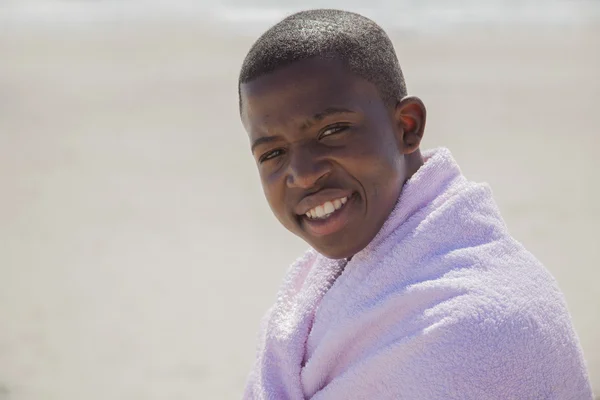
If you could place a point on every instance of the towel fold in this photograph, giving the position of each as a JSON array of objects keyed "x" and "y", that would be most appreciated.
[{"x": 442, "y": 304}]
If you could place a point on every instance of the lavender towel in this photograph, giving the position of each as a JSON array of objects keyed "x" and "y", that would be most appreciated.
[{"x": 442, "y": 304}]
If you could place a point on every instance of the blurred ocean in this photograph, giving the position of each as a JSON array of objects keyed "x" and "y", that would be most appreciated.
[{"x": 242, "y": 15}]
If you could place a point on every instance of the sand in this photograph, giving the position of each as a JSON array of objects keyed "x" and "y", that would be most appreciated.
[{"x": 137, "y": 253}]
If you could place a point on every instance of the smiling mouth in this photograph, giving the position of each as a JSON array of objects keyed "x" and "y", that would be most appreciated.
[
  {"x": 325, "y": 210},
  {"x": 329, "y": 217}
]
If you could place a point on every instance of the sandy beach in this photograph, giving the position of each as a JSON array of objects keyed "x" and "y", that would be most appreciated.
[{"x": 137, "y": 252}]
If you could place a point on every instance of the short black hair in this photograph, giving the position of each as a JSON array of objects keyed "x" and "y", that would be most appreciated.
[{"x": 361, "y": 44}]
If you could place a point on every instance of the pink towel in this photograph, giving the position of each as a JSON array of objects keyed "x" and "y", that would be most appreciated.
[{"x": 442, "y": 304}]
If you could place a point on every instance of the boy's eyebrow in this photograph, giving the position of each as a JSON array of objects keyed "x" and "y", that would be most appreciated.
[
  {"x": 311, "y": 121},
  {"x": 326, "y": 113},
  {"x": 263, "y": 140}
]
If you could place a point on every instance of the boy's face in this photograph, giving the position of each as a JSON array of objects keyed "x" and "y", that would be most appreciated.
[{"x": 330, "y": 152}]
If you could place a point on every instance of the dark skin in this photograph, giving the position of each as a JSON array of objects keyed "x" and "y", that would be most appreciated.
[{"x": 319, "y": 131}]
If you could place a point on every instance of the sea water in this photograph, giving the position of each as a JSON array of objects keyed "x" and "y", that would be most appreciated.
[{"x": 243, "y": 15}]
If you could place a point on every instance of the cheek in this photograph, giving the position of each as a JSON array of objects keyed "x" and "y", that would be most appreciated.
[
  {"x": 271, "y": 193},
  {"x": 378, "y": 166},
  {"x": 274, "y": 190},
  {"x": 377, "y": 159}
]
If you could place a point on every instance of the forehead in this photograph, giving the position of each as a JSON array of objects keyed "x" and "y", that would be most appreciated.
[{"x": 302, "y": 89}]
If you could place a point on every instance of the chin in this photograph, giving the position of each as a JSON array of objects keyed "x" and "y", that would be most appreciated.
[{"x": 339, "y": 246}]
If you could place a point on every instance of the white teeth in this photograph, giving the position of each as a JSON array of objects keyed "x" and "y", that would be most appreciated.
[
  {"x": 326, "y": 208},
  {"x": 337, "y": 203},
  {"x": 319, "y": 211}
]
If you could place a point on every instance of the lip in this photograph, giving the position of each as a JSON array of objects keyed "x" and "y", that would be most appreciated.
[
  {"x": 333, "y": 223},
  {"x": 322, "y": 196}
]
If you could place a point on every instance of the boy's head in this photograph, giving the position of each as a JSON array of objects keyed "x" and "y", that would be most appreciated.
[{"x": 333, "y": 133}]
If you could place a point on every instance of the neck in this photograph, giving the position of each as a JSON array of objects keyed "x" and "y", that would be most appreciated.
[{"x": 414, "y": 161}]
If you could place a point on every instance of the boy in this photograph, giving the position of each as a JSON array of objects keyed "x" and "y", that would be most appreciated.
[{"x": 413, "y": 287}]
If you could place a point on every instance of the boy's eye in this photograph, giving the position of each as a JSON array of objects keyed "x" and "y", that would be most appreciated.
[
  {"x": 332, "y": 130},
  {"x": 270, "y": 154}
]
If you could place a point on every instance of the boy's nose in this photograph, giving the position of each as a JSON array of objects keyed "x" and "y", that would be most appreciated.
[{"x": 304, "y": 169}]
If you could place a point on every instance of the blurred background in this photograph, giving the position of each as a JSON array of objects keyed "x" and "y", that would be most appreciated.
[{"x": 137, "y": 253}]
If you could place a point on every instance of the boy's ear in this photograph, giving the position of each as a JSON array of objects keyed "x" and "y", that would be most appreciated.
[{"x": 410, "y": 115}]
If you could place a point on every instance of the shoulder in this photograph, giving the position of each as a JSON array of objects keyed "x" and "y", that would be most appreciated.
[
  {"x": 511, "y": 352},
  {"x": 507, "y": 334}
]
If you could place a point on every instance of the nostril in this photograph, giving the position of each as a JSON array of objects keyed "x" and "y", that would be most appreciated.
[{"x": 304, "y": 171}]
